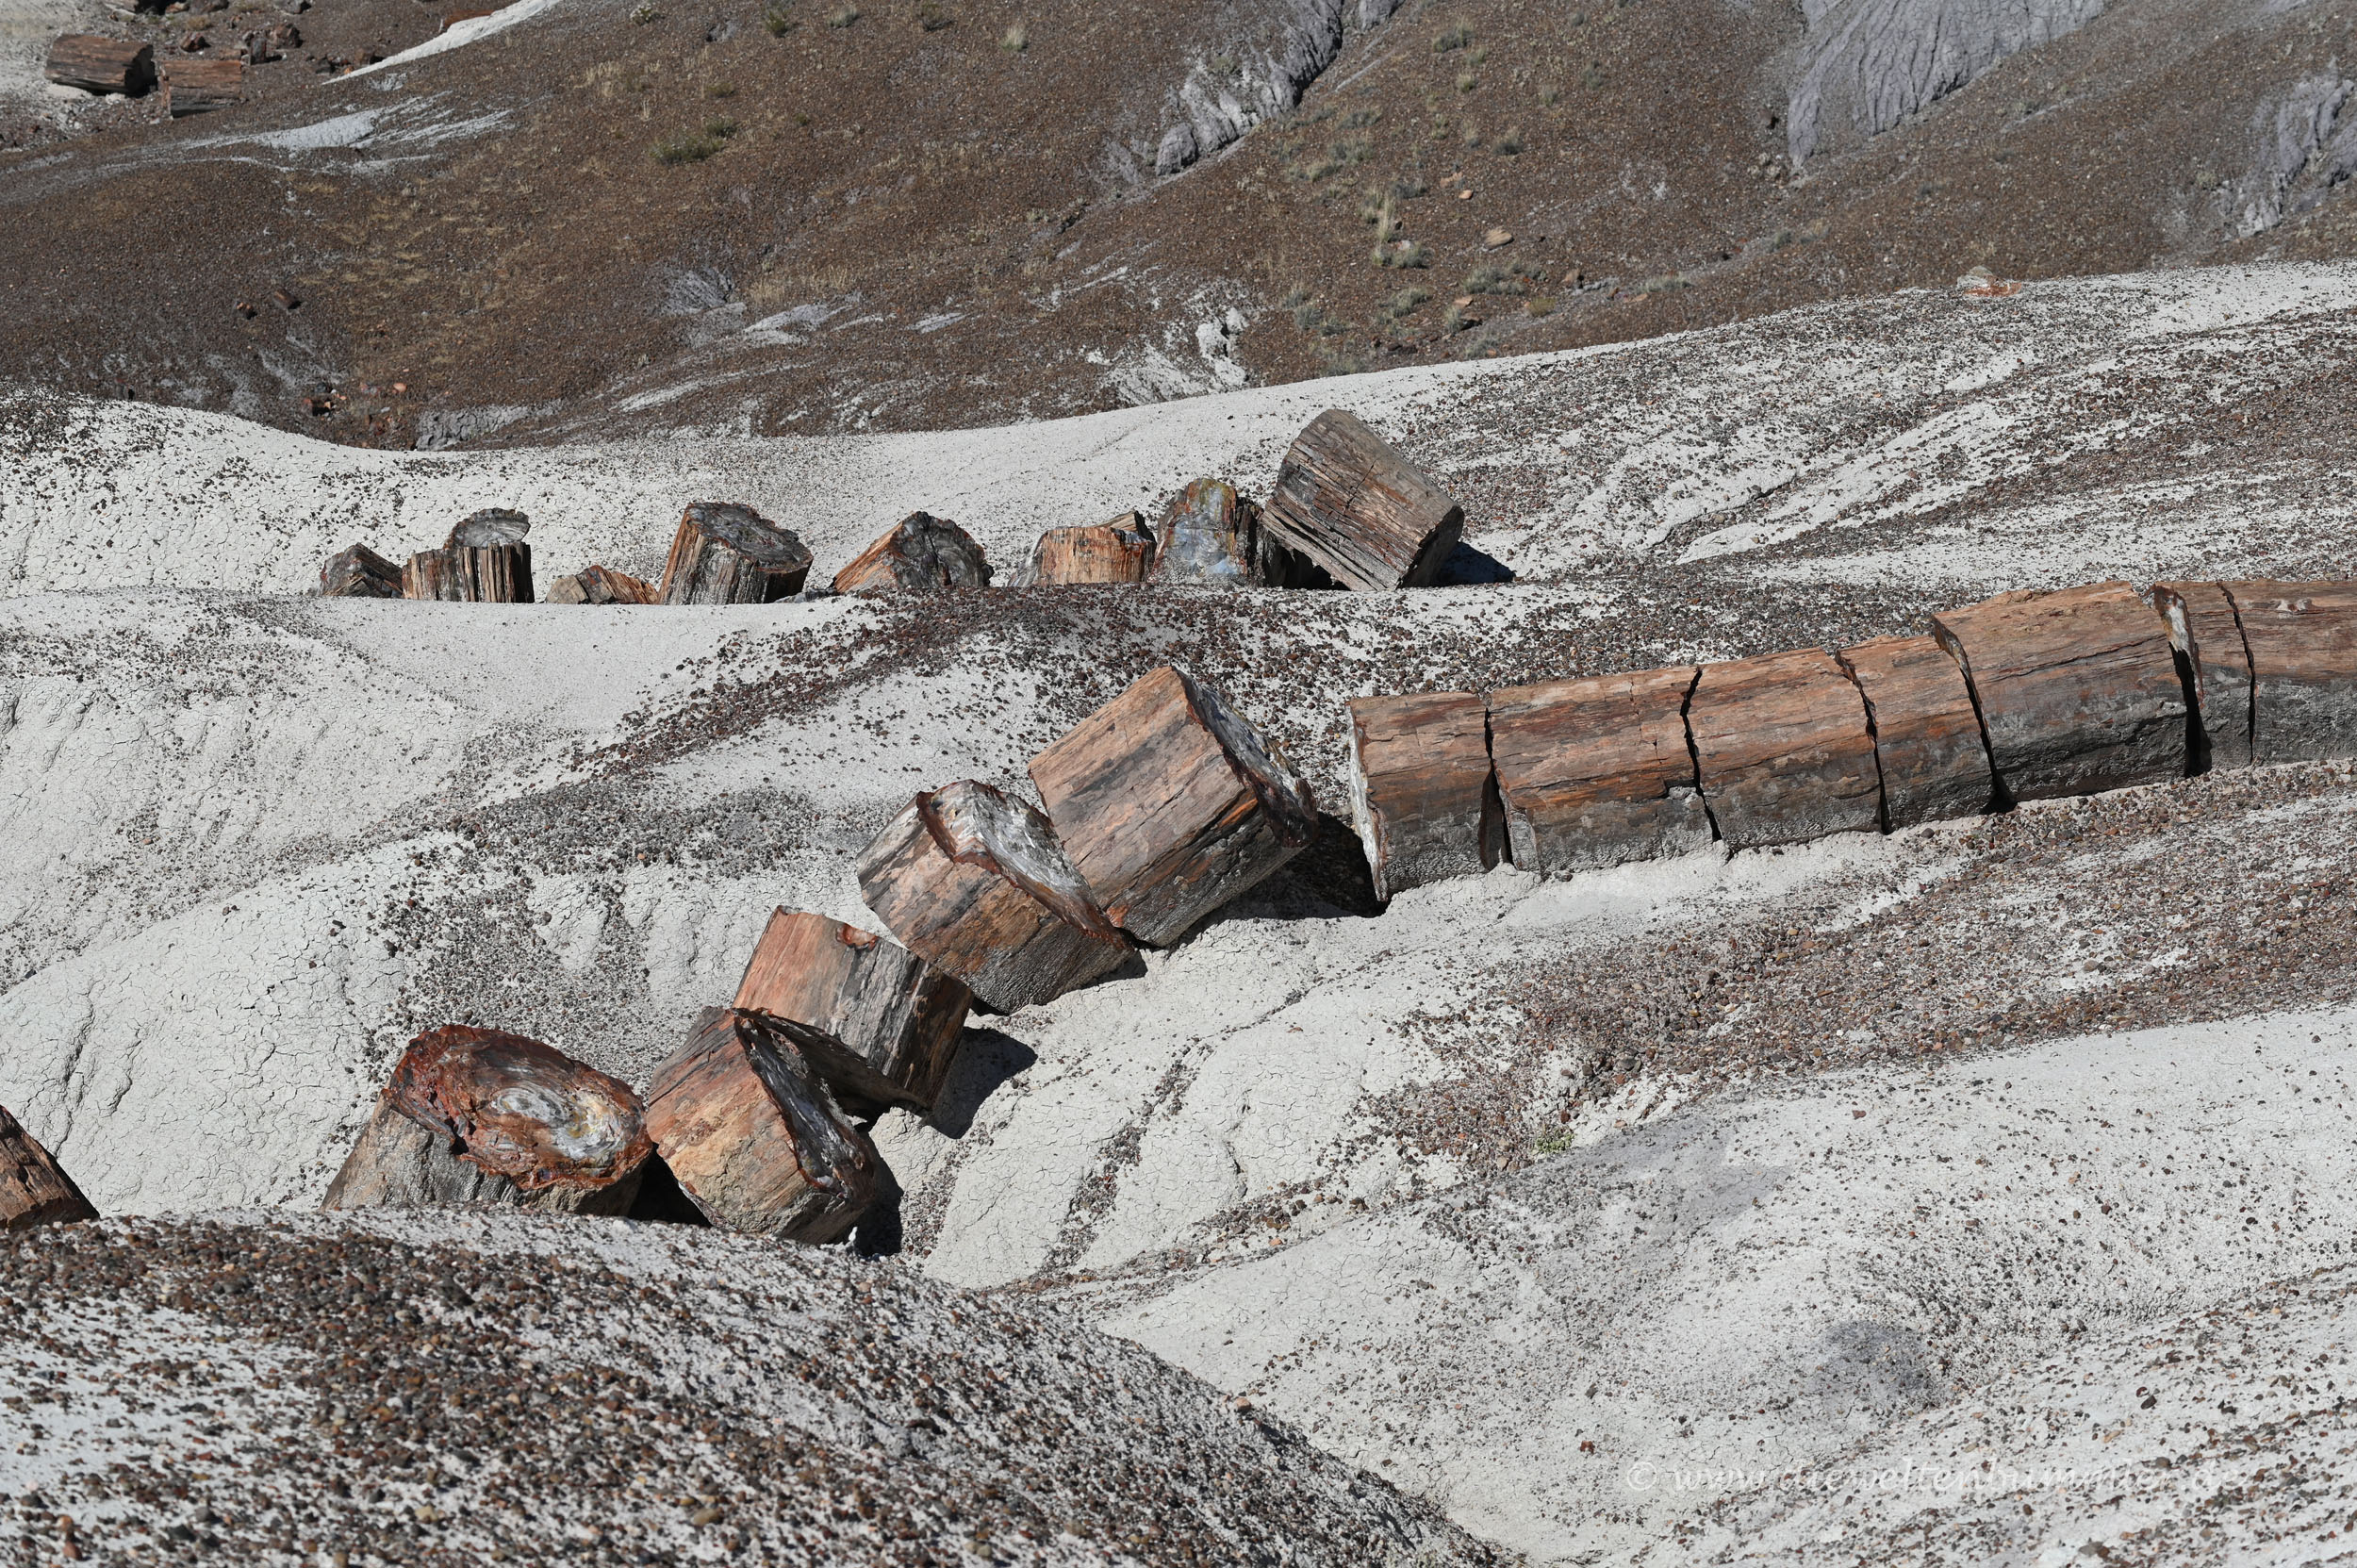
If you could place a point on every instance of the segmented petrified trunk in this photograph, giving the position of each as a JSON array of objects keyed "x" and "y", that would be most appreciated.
[
  {"x": 1121, "y": 550},
  {"x": 1170, "y": 803},
  {"x": 101, "y": 64},
  {"x": 2303, "y": 639},
  {"x": 34, "y": 1190},
  {"x": 480, "y": 1115},
  {"x": 498, "y": 574},
  {"x": 1782, "y": 750},
  {"x": 744, "y": 1120},
  {"x": 2077, "y": 689},
  {"x": 1347, "y": 501},
  {"x": 598, "y": 584},
  {"x": 359, "y": 573},
  {"x": 199, "y": 86},
  {"x": 1422, "y": 794},
  {"x": 724, "y": 553},
  {"x": 895, "y": 1017},
  {"x": 923, "y": 553},
  {"x": 975, "y": 883},
  {"x": 1595, "y": 771},
  {"x": 1927, "y": 737},
  {"x": 2214, "y": 663}
]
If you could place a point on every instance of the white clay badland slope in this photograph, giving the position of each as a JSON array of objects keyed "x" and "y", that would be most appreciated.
[{"x": 1419, "y": 1179}]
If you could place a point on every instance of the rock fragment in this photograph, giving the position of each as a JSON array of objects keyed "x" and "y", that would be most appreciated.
[
  {"x": 2214, "y": 663},
  {"x": 724, "y": 553},
  {"x": 923, "y": 553},
  {"x": 2303, "y": 639},
  {"x": 599, "y": 584},
  {"x": 96, "y": 64},
  {"x": 33, "y": 1188},
  {"x": 1121, "y": 550},
  {"x": 359, "y": 573}
]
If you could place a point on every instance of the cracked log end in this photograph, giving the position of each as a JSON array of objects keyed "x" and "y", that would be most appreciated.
[
  {"x": 1121, "y": 550},
  {"x": 1782, "y": 749},
  {"x": 33, "y": 1188},
  {"x": 1349, "y": 504},
  {"x": 1596, "y": 772},
  {"x": 2303, "y": 639},
  {"x": 1927, "y": 738},
  {"x": 1422, "y": 794},
  {"x": 724, "y": 553},
  {"x": 359, "y": 573},
  {"x": 923, "y": 553},
  {"x": 2215, "y": 666},
  {"x": 887, "y": 1022}
]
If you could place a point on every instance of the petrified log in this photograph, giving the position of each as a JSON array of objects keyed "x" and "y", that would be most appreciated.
[
  {"x": 101, "y": 64},
  {"x": 479, "y": 1115},
  {"x": 2214, "y": 663},
  {"x": 1595, "y": 771},
  {"x": 359, "y": 573},
  {"x": 198, "y": 87},
  {"x": 2303, "y": 639},
  {"x": 975, "y": 883},
  {"x": 33, "y": 1189},
  {"x": 1356, "y": 509},
  {"x": 499, "y": 575},
  {"x": 1927, "y": 738},
  {"x": 1170, "y": 803},
  {"x": 1422, "y": 794},
  {"x": 1121, "y": 550},
  {"x": 746, "y": 1123},
  {"x": 2077, "y": 689},
  {"x": 1211, "y": 535},
  {"x": 1782, "y": 749},
  {"x": 923, "y": 553},
  {"x": 888, "y": 1021},
  {"x": 489, "y": 528},
  {"x": 724, "y": 553},
  {"x": 596, "y": 585}
]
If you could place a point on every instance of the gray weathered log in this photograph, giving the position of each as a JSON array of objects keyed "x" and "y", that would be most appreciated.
[
  {"x": 1927, "y": 738},
  {"x": 33, "y": 1188},
  {"x": 1422, "y": 794},
  {"x": 1783, "y": 750},
  {"x": 97, "y": 64},
  {"x": 923, "y": 553},
  {"x": 1121, "y": 550},
  {"x": 359, "y": 573},
  {"x": 2303, "y": 639},
  {"x": 724, "y": 553},
  {"x": 1596, "y": 771},
  {"x": 889, "y": 1022},
  {"x": 2214, "y": 663},
  {"x": 1353, "y": 506}
]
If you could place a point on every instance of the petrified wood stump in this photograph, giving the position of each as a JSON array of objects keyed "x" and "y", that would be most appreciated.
[
  {"x": 923, "y": 553},
  {"x": 2303, "y": 639},
  {"x": 2077, "y": 689},
  {"x": 744, "y": 1120},
  {"x": 1595, "y": 771},
  {"x": 2214, "y": 665},
  {"x": 1783, "y": 749},
  {"x": 1354, "y": 508},
  {"x": 479, "y": 1115},
  {"x": 598, "y": 584},
  {"x": 199, "y": 86},
  {"x": 359, "y": 573},
  {"x": 499, "y": 575},
  {"x": 1927, "y": 738},
  {"x": 1170, "y": 803},
  {"x": 729, "y": 554},
  {"x": 101, "y": 64},
  {"x": 1121, "y": 550},
  {"x": 975, "y": 883},
  {"x": 1421, "y": 792},
  {"x": 888, "y": 1021},
  {"x": 33, "y": 1189}
]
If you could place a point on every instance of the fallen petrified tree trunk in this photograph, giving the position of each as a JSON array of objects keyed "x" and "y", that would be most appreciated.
[
  {"x": 1595, "y": 771},
  {"x": 1782, "y": 749},
  {"x": 359, "y": 573},
  {"x": 2303, "y": 639},
  {"x": 97, "y": 64},
  {"x": 1121, "y": 550},
  {"x": 923, "y": 553},
  {"x": 1422, "y": 794},
  {"x": 729, "y": 554},
  {"x": 1927, "y": 738},
  {"x": 2213, "y": 662},
  {"x": 887, "y": 1022},
  {"x": 34, "y": 1190},
  {"x": 598, "y": 584},
  {"x": 198, "y": 87},
  {"x": 1357, "y": 510}
]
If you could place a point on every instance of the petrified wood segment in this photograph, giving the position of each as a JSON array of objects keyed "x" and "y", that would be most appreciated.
[
  {"x": 1422, "y": 794},
  {"x": 888, "y": 1021},
  {"x": 198, "y": 87},
  {"x": 1211, "y": 535},
  {"x": 33, "y": 1189},
  {"x": 1170, "y": 803},
  {"x": 101, "y": 64},
  {"x": 975, "y": 883},
  {"x": 2077, "y": 689},
  {"x": 1782, "y": 749},
  {"x": 499, "y": 575},
  {"x": 490, "y": 527},
  {"x": 729, "y": 554},
  {"x": 1352, "y": 505},
  {"x": 744, "y": 1120},
  {"x": 2214, "y": 665},
  {"x": 479, "y": 1115},
  {"x": 596, "y": 585},
  {"x": 2303, "y": 639},
  {"x": 359, "y": 573},
  {"x": 1927, "y": 738},
  {"x": 1121, "y": 550},
  {"x": 1595, "y": 771},
  {"x": 923, "y": 553}
]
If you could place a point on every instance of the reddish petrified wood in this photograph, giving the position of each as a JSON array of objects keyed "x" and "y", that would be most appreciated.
[
  {"x": 1354, "y": 508},
  {"x": 2077, "y": 689},
  {"x": 97, "y": 64},
  {"x": 1121, "y": 550},
  {"x": 359, "y": 573},
  {"x": 1927, "y": 737},
  {"x": 1422, "y": 794},
  {"x": 1596, "y": 771},
  {"x": 2214, "y": 663},
  {"x": 33, "y": 1189},
  {"x": 896, "y": 1017},
  {"x": 2303, "y": 639},
  {"x": 500, "y": 575},
  {"x": 1170, "y": 803},
  {"x": 746, "y": 1123},
  {"x": 198, "y": 87},
  {"x": 596, "y": 585},
  {"x": 1782, "y": 749},
  {"x": 729, "y": 554},
  {"x": 923, "y": 553},
  {"x": 976, "y": 884}
]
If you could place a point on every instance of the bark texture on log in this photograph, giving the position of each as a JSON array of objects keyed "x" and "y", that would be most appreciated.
[
  {"x": 198, "y": 87},
  {"x": 975, "y": 883},
  {"x": 2077, "y": 689},
  {"x": 2213, "y": 662},
  {"x": 2303, "y": 639},
  {"x": 1170, "y": 803},
  {"x": 598, "y": 584},
  {"x": 1927, "y": 737},
  {"x": 888, "y": 1021},
  {"x": 500, "y": 575},
  {"x": 34, "y": 1190},
  {"x": 729, "y": 554},
  {"x": 1349, "y": 504},
  {"x": 746, "y": 1123},
  {"x": 1121, "y": 550},
  {"x": 1422, "y": 794},
  {"x": 359, "y": 573},
  {"x": 923, "y": 553},
  {"x": 1782, "y": 749},
  {"x": 97, "y": 64},
  {"x": 1596, "y": 771}
]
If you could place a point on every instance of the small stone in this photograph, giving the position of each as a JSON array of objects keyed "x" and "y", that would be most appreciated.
[
  {"x": 1496, "y": 239},
  {"x": 1465, "y": 195},
  {"x": 703, "y": 1516}
]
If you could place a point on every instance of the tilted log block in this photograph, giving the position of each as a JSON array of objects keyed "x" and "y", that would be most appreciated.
[
  {"x": 2214, "y": 663},
  {"x": 101, "y": 64},
  {"x": 1595, "y": 772},
  {"x": 1356, "y": 509},
  {"x": 480, "y": 1115},
  {"x": 2077, "y": 689},
  {"x": 923, "y": 553},
  {"x": 744, "y": 1120},
  {"x": 598, "y": 584},
  {"x": 1170, "y": 803},
  {"x": 1927, "y": 738},
  {"x": 1422, "y": 794},
  {"x": 888, "y": 1021},
  {"x": 1782, "y": 749},
  {"x": 1121, "y": 550},
  {"x": 2303, "y": 639},
  {"x": 1211, "y": 535},
  {"x": 359, "y": 573},
  {"x": 975, "y": 883},
  {"x": 729, "y": 554},
  {"x": 33, "y": 1189},
  {"x": 199, "y": 86}
]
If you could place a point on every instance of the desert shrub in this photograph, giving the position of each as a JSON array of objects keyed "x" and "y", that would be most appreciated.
[
  {"x": 688, "y": 147},
  {"x": 777, "y": 21},
  {"x": 1343, "y": 364},
  {"x": 931, "y": 17},
  {"x": 1493, "y": 280},
  {"x": 1297, "y": 294},
  {"x": 842, "y": 16},
  {"x": 1457, "y": 36},
  {"x": 1667, "y": 283},
  {"x": 646, "y": 11},
  {"x": 1509, "y": 144},
  {"x": 1467, "y": 81},
  {"x": 1540, "y": 304},
  {"x": 1549, "y": 93},
  {"x": 1015, "y": 40},
  {"x": 1483, "y": 342},
  {"x": 1408, "y": 301},
  {"x": 1359, "y": 118},
  {"x": 719, "y": 90},
  {"x": 721, "y": 126}
]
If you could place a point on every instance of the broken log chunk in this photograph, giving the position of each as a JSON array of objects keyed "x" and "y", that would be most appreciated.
[
  {"x": 1595, "y": 771},
  {"x": 2303, "y": 639},
  {"x": 1121, "y": 550},
  {"x": 1170, "y": 803},
  {"x": 975, "y": 883},
  {"x": 923, "y": 553},
  {"x": 2214, "y": 663},
  {"x": 458, "y": 574},
  {"x": 729, "y": 554},
  {"x": 1347, "y": 501},
  {"x": 480, "y": 1115},
  {"x": 1927, "y": 738},
  {"x": 199, "y": 86},
  {"x": 1783, "y": 751},
  {"x": 33, "y": 1188},
  {"x": 2077, "y": 689},
  {"x": 1422, "y": 794},
  {"x": 598, "y": 584},
  {"x": 744, "y": 1120},
  {"x": 1211, "y": 535},
  {"x": 97, "y": 64},
  {"x": 359, "y": 573},
  {"x": 490, "y": 527},
  {"x": 895, "y": 1017}
]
